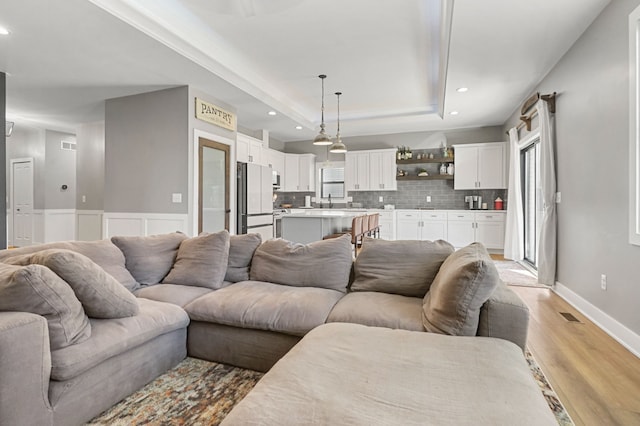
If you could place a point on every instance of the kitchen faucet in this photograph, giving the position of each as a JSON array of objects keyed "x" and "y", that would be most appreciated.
[{"x": 330, "y": 203}]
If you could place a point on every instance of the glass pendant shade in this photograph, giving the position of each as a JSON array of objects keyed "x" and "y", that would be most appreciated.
[
  {"x": 322, "y": 138},
  {"x": 338, "y": 147}
]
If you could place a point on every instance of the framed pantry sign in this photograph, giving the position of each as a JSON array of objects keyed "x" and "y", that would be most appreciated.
[{"x": 210, "y": 113}]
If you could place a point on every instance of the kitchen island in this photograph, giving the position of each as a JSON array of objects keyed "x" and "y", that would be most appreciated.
[{"x": 312, "y": 226}]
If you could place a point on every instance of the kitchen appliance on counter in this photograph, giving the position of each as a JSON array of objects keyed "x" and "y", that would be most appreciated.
[
  {"x": 254, "y": 200},
  {"x": 474, "y": 202}
]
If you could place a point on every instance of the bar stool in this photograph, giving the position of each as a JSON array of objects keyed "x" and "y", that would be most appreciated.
[
  {"x": 374, "y": 225},
  {"x": 356, "y": 231}
]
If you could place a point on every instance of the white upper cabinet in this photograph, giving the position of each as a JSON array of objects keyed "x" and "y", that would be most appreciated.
[
  {"x": 382, "y": 170},
  {"x": 480, "y": 166},
  {"x": 299, "y": 172},
  {"x": 274, "y": 159},
  {"x": 248, "y": 149},
  {"x": 356, "y": 171},
  {"x": 372, "y": 170}
]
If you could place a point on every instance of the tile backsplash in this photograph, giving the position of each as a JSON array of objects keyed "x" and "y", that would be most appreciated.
[{"x": 409, "y": 195}]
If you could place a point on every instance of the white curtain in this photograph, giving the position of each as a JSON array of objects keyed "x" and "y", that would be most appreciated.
[
  {"x": 514, "y": 231},
  {"x": 547, "y": 244}
]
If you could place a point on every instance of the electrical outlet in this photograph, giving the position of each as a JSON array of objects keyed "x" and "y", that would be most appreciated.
[
  {"x": 84, "y": 198},
  {"x": 428, "y": 198},
  {"x": 558, "y": 197},
  {"x": 176, "y": 197},
  {"x": 603, "y": 282},
  {"x": 381, "y": 199}
]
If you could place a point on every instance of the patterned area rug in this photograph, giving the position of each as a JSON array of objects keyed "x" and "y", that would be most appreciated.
[
  {"x": 512, "y": 273},
  {"x": 202, "y": 393}
]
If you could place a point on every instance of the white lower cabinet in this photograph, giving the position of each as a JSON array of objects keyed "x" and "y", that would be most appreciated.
[
  {"x": 421, "y": 225},
  {"x": 459, "y": 227},
  {"x": 465, "y": 227}
]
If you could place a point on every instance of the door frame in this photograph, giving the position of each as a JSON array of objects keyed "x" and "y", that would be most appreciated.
[
  {"x": 194, "y": 154},
  {"x": 11, "y": 216},
  {"x": 208, "y": 143}
]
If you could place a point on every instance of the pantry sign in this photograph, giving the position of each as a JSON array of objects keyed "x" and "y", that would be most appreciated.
[{"x": 215, "y": 115}]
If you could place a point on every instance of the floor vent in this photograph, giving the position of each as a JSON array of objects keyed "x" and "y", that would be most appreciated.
[{"x": 569, "y": 317}]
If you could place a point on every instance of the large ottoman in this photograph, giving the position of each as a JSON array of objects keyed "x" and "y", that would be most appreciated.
[{"x": 351, "y": 374}]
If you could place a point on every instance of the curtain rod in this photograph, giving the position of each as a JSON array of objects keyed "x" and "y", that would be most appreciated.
[{"x": 525, "y": 120}]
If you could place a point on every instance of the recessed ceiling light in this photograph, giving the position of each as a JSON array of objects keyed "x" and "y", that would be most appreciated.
[
  {"x": 462, "y": 89},
  {"x": 298, "y": 127},
  {"x": 272, "y": 113},
  {"x": 4, "y": 31},
  {"x": 454, "y": 113}
]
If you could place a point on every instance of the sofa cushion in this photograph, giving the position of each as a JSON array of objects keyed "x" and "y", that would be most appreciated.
[
  {"x": 99, "y": 293},
  {"x": 201, "y": 261},
  {"x": 322, "y": 264},
  {"x": 379, "y": 310},
  {"x": 465, "y": 281},
  {"x": 115, "y": 336},
  {"x": 36, "y": 289},
  {"x": 149, "y": 259},
  {"x": 176, "y": 294},
  {"x": 399, "y": 267},
  {"x": 266, "y": 306},
  {"x": 241, "y": 250},
  {"x": 103, "y": 252}
]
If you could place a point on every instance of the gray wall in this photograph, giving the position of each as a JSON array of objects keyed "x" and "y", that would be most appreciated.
[
  {"x": 414, "y": 140},
  {"x": 60, "y": 169},
  {"x": 592, "y": 131},
  {"x": 90, "y": 166},
  {"x": 3, "y": 161},
  {"x": 146, "y": 152},
  {"x": 29, "y": 142}
]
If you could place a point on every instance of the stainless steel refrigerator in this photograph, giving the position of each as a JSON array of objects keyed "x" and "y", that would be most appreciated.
[{"x": 255, "y": 200}]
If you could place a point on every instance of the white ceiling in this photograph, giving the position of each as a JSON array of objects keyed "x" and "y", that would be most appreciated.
[{"x": 389, "y": 58}]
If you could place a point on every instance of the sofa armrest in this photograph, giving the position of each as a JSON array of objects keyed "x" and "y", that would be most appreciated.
[
  {"x": 505, "y": 316},
  {"x": 25, "y": 367}
]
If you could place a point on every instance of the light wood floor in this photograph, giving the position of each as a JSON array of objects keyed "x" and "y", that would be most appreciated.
[{"x": 595, "y": 377}]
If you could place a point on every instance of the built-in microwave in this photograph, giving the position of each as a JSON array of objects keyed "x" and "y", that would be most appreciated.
[{"x": 276, "y": 180}]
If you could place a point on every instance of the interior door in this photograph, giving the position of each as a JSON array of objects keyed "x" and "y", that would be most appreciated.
[
  {"x": 213, "y": 186},
  {"x": 22, "y": 202}
]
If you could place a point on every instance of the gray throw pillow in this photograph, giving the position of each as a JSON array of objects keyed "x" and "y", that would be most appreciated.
[
  {"x": 36, "y": 289},
  {"x": 322, "y": 264},
  {"x": 464, "y": 283},
  {"x": 103, "y": 252},
  {"x": 201, "y": 261},
  {"x": 241, "y": 250},
  {"x": 149, "y": 259},
  {"x": 99, "y": 293},
  {"x": 406, "y": 268}
]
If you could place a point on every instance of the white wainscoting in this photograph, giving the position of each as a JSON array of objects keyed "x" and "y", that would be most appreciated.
[
  {"x": 143, "y": 224},
  {"x": 88, "y": 225},
  {"x": 37, "y": 236},
  {"x": 59, "y": 225},
  {"x": 612, "y": 327}
]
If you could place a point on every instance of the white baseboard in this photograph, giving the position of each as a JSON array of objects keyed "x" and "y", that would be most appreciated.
[
  {"x": 612, "y": 327},
  {"x": 143, "y": 224}
]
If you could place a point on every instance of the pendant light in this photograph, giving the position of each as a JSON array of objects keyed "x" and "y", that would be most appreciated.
[
  {"x": 322, "y": 138},
  {"x": 338, "y": 147}
]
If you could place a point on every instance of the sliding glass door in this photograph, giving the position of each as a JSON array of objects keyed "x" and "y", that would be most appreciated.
[{"x": 531, "y": 200}]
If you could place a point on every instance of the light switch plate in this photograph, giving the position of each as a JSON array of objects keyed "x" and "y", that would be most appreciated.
[{"x": 176, "y": 197}]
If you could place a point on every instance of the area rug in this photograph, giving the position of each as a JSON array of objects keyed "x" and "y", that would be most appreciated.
[
  {"x": 512, "y": 273},
  {"x": 199, "y": 393}
]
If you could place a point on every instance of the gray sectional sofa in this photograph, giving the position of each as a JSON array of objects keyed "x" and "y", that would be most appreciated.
[{"x": 74, "y": 340}]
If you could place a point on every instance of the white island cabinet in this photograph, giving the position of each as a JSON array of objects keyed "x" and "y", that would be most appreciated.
[{"x": 313, "y": 225}]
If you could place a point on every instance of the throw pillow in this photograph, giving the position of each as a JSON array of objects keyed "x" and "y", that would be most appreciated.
[
  {"x": 322, "y": 264},
  {"x": 241, "y": 250},
  {"x": 103, "y": 252},
  {"x": 149, "y": 259},
  {"x": 201, "y": 261},
  {"x": 406, "y": 268},
  {"x": 99, "y": 293},
  {"x": 36, "y": 289},
  {"x": 465, "y": 281}
]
